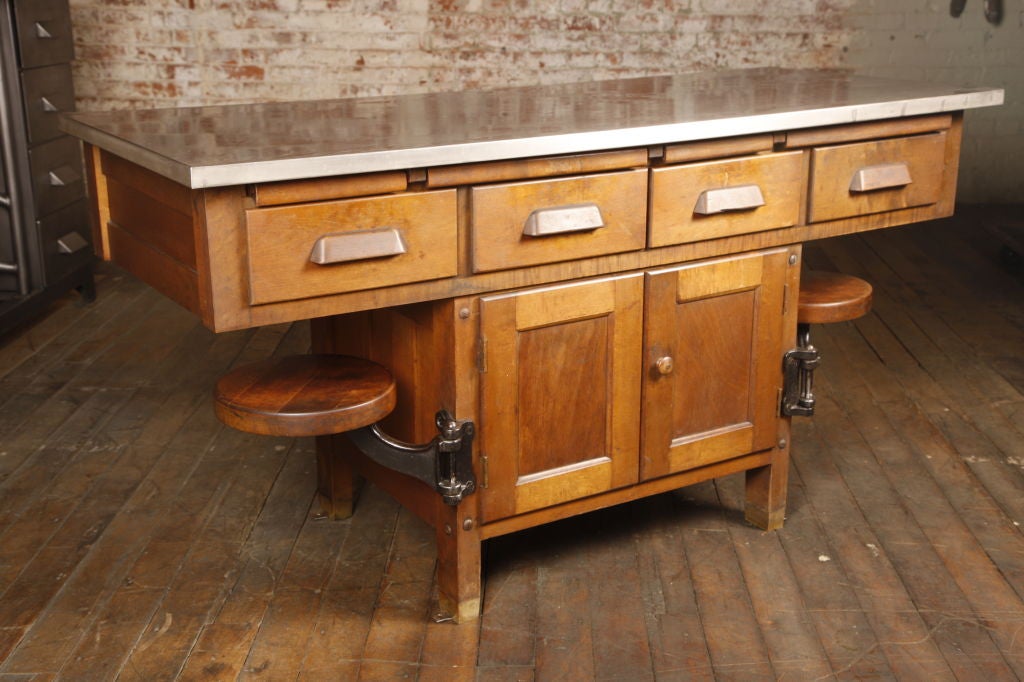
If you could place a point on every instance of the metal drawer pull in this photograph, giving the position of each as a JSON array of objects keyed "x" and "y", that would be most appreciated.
[
  {"x": 5, "y": 200},
  {"x": 48, "y": 106},
  {"x": 342, "y": 247},
  {"x": 563, "y": 219},
  {"x": 738, "y": 198},
  {"x": 63, "y": 176},
  {"x": 41, "y": 31},
  {"x": 71, "y": 242},
  {"x": 883, "y": 176}
]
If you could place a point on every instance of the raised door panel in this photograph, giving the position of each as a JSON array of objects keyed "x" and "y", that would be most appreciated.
[
  {"x": 560, "y": 393},
  {"x": 714, "y": 345}
]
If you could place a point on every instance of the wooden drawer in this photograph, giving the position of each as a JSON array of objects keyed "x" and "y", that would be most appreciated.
[
  {"x": 356, "y": 243},
  {"x": 872, "y": 177},
  {"x": 722, "y": 198},
  {"x": 546, "y": 221}
]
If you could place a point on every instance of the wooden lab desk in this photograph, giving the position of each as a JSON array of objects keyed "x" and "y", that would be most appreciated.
[{"x": 602, "y": 277}]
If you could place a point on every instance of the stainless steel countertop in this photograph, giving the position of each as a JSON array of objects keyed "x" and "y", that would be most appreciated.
[{"x": 237, "y": 144}]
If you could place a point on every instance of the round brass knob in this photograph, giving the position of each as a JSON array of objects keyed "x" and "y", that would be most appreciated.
[{"x": 664, "y": 365}]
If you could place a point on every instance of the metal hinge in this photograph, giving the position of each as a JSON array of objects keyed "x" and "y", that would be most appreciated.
[
  {"x": 798, "y": 367},
  {"x": 445, "y": 463},
  {"x": 484, "y": 473}
]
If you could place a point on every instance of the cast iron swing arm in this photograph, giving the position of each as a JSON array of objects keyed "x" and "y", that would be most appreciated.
[{"x": 445, "y": 463}]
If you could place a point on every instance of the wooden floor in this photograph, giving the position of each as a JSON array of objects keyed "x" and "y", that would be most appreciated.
[{"x": 141, "y": 540}]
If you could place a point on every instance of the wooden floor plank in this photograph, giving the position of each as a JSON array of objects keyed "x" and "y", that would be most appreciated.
[
  {"x": 564, "y": 640},
  {"x": 403, "y": 609},
  {"x": 343, "y": 622},
  {"x": 901, "y": 633},
  {"x": 678, "y": 649},
  {"x": 920, "y": 554},
  {"x": 225, "y": 645},
  {"x": 509, "y": 618},
  {"x": 827, "y": 591},
  {"x": 617, "y": 609},
  {"x": 731, "y": 632}
]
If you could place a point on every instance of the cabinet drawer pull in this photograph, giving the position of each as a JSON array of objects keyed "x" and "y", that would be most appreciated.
[
  {"x": 882, "y": 176},
  {"x": 563, "y": 219},
  {"x": 41, "y": 32},
  {"x": 70, "y": 243},
  {"x": 48, "y": 106},
  {"x": 738, "y": 198},
  {"x": 342, "y": 247},
  {"x": 665, "y": 365},
  {"x": 63, "y": 176}
]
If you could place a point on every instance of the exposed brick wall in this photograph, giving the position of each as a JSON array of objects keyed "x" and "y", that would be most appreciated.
[
  {"x": 919, "y": 39},
  {"x": 133, "y": 53}
]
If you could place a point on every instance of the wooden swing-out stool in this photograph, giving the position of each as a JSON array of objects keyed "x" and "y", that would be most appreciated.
[
  {"x": 825, "y": 297},
  {"x": 319, "y": 395}
]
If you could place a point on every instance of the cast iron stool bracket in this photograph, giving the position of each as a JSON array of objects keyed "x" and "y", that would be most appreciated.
[
  {"x": 798, "y": 367},
  {"x": 445, "y": 463}
]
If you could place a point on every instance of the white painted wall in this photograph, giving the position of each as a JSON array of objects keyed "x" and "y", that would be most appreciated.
[{"x": 919, "y": 39}]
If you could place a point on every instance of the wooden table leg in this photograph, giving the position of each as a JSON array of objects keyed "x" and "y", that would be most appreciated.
[
  {"x": 766, "y": 487},
  {"x": 337, "y": 481},
  {"x": 458, "y": 564}
]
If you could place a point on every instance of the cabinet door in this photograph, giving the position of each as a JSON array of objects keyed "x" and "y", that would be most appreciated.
[
  {"x": 713, "y": 355},
  {"x": 560, "y": 393}
]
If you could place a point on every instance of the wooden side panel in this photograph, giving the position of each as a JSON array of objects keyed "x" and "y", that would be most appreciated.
[
  {"x": 713, "y": 349},
  {"x": 560, "y": 393},
  {"x": 676, "y": 190},
  {"x": 833, "y": 169},
  {"x": 144, "y": 180},
  {"x": 162, "y": 227},
  {"x": 99, "y": 209},
  {"x": 149, "y": 229},
  {"x": 168, "y": 276}
]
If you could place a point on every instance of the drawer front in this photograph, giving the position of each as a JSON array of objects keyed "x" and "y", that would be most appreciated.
[
  {"x": 66, "y": 239},
  {"x": 44, "y": 32},
  {"x": 872, "y": 177},
  {"x": 56, "y": 174},
  {"x": 722, "y": 198},
  {"x": 546, "y": 221},
  {"x": 48, "y": 91},
  {"x": 335, "y": 247}
]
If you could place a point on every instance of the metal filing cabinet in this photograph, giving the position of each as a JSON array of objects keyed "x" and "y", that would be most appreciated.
[{"x": 45, "y": 247}]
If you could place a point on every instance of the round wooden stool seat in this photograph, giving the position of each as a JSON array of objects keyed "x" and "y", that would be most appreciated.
[
  {"x": 305, "y": 395},
  {"x": 832, "y": 297}
]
